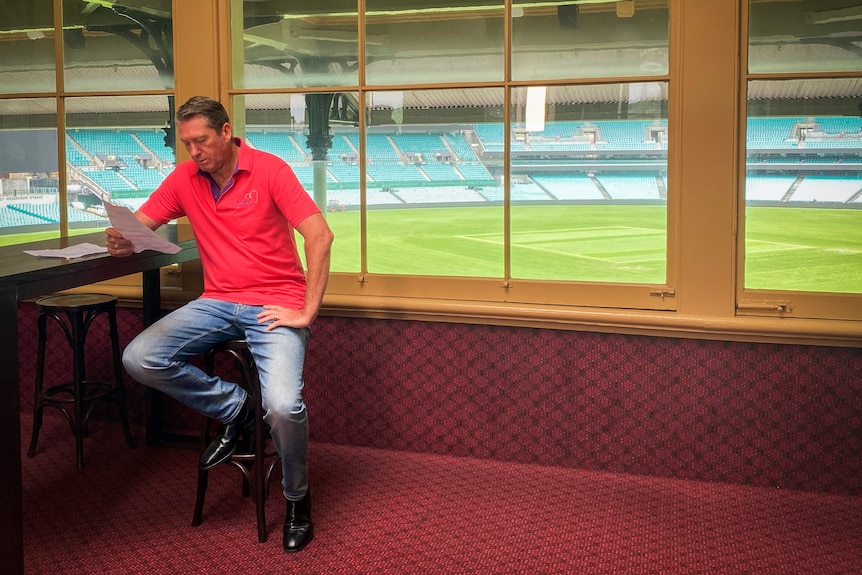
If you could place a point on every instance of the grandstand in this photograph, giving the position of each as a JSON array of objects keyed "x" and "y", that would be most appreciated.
[
  {"x": 768, "y": 187},
  {"x": 825, "y": 188},
  {"x": 29, "y": 216},
  {"x": 569, "y": 187},
  {"x": 791, "y": 160}
]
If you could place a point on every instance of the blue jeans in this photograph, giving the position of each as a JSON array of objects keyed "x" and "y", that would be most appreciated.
[{"x": 159, "y": 358}]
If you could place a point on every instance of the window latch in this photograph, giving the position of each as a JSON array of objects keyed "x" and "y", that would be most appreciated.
[
  {"x": 663, "y": 293},
  {"x": 779, "y": 306}
]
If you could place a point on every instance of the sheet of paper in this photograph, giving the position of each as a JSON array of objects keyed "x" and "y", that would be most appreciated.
[
  {"x": 71, "y": 252},
  {"x": 142, "y": 237}
]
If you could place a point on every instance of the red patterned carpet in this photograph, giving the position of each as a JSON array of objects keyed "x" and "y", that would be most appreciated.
[{"x": 378, "y": 511}]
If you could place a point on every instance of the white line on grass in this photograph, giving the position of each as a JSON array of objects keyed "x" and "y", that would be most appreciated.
[{"x": 573, "y": 236}]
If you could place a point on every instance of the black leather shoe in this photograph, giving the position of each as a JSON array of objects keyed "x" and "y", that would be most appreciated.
[
  {"x": 298, "y": 528},
  {"x": 224, "y": 443}
]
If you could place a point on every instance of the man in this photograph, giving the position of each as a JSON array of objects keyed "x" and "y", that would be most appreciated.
[{"x": 243, "y": 206}]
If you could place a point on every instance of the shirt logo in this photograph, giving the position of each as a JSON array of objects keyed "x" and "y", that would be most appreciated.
[{"x": 249, "y": 199}]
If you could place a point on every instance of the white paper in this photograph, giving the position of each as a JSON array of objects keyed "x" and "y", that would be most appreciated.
[
  {"x": 142, "y": 237},
  {"x": 76, "y": 251}
]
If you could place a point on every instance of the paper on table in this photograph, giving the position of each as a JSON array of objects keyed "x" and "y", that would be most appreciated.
[
  {"x": 76, "y": 251},
  {"x": 142, "y": 237}
]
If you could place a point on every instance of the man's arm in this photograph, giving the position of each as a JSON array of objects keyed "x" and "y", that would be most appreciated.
[
  {"x": 118, "y": 245},
  {"x": 318, "y": 243}
]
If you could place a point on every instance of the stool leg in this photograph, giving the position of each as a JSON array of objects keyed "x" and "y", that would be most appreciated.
[
  {"x": 203, "y": 479},
  {"x": 78, "y": 334},
  {"x": 260, "y": 476},
  {"x": 250, "y": 375},
  {"x": 118, "y": 378},
  {"x": 203, "y": 474},
  {"x": 38, "y": 405}
]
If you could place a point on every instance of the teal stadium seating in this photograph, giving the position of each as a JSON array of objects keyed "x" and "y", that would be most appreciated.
[{"x": 410, "y": 165}]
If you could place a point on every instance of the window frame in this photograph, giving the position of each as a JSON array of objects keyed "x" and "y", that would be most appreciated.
[
  {"x": 772, "y": 303},
  {"x": 701, "y": 293},
  {"x": 482, "y": 291}
]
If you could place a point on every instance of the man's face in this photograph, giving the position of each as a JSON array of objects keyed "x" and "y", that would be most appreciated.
[{"x": 209, "y": 148}]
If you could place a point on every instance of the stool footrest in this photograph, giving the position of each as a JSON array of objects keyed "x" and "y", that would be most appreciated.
[{"x": 98, "y": 391}]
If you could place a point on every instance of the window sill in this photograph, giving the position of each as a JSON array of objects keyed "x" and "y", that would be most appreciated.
[{"x": 636, "y": 322}]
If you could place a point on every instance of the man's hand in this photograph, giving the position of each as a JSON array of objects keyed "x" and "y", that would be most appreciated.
[
  {"x": 117, "y": 245},
  {"x": 277, "y": 315}
]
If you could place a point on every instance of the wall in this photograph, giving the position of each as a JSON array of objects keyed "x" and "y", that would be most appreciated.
[{"x": 783, "y": 416}]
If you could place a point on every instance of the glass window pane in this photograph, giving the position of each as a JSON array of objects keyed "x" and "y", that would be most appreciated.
[
  {"x": 434, "y": 204},
  {"x": 289, "y": 44},
  {"x": 116, "y": 149},
  {"x": 29, "y": 190},
  {"x": 555, "y": 40},
  {"x": 316, "y": 135},
  {"x": 123, "y": 49},
  {"x": 589, "y": 183},
  {"x": 803, "y": 189},
  {"x": 433, "y": 42},
  {"x": 805, "y": 36},
  {"x": 27, "y": 48}
]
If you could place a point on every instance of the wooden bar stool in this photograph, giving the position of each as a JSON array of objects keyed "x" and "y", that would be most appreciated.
[
  {"x": 255, "y": 457},
  {"x": 79, "y": 395}
]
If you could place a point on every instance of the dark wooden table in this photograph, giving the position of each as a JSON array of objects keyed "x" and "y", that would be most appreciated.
[{"x": 23, "y": 276}]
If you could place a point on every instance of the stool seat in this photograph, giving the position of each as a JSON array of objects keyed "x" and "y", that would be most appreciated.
[
  {"x": 76, "y": 399},
  {"x": 75, "y": 302},
  {"x": 255, "y": 457}
]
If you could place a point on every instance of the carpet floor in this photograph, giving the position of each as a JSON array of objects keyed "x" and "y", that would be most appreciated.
[{"x": 378, "y": 511}]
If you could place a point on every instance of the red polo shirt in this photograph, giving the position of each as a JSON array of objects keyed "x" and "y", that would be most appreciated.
[{"x": 246, "y": 238}]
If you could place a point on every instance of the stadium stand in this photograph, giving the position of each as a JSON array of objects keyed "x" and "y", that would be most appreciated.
[
  {"x": 766, "y": 187},
  {"x": 630, "y": 186},
  {"x": 342, "y": 150},
  {"x": 795, "y": 160},
  {"x": 445, "y": 174},
  {"x": 24, "y": 213},
  {"x": 569, "y": 186},
  {"x": 346, "y": 175},
  {"x": 771, "y": 133},
  {"x": 438, "y": 194},
  {"x": 153, "y": 141},
  {"x": 625, "y": 134},
  {"x": 461, "y": 147},
  {"x": 822, "y": 188},
  {"x": 280, "y": 143}
]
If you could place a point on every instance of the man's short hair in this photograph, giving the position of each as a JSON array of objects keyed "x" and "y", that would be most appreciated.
[{"x": 212, "y": 110}]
